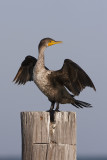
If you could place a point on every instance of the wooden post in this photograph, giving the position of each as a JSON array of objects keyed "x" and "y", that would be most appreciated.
[{"x": 46, "y": 140}]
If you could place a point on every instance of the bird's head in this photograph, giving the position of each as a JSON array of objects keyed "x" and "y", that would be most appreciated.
[{"x": 48, "y": 42}]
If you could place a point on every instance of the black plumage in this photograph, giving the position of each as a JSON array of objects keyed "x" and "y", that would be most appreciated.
[
  {"x": 72, "y": 76},
  {"x": 54, "y": 84},
  {"x": 25, "y": 72}
]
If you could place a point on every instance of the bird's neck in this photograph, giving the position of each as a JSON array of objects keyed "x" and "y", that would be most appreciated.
[{"x": 41, "y": 57}]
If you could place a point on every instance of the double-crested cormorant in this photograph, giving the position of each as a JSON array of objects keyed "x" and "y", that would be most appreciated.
[{"x": 55, "y": 84}]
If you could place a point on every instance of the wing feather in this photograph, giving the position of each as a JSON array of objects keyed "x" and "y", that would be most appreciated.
[
  {"x": 72, "y": 76},
  {"x": 25, "y": 72}
]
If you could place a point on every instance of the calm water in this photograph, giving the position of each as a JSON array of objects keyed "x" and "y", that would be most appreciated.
[{"x": 79, "y": 158}]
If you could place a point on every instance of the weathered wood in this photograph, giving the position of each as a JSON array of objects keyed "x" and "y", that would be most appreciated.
[
  {"x": 46, "y": 140},
  {"x": 53, "y": 152}
]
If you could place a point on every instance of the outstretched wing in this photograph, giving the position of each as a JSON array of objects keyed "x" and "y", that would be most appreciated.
[
  {"x": 72, "y": 76},
  {"x": 25, "y": 72}
]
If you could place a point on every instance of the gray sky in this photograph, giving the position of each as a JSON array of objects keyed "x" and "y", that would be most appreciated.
[{"x": 82, "y": 26}]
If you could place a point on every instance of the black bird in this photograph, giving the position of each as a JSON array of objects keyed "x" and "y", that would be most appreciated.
[{"x": 55, "y": 84}]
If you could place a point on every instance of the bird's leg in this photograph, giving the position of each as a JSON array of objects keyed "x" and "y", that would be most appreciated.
[
  {"x": 57, "y": 107},
  {"x": 52, "y": 106}
]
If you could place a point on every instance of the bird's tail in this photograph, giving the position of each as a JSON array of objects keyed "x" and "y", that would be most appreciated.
[{"x": 81, "y": 104}]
